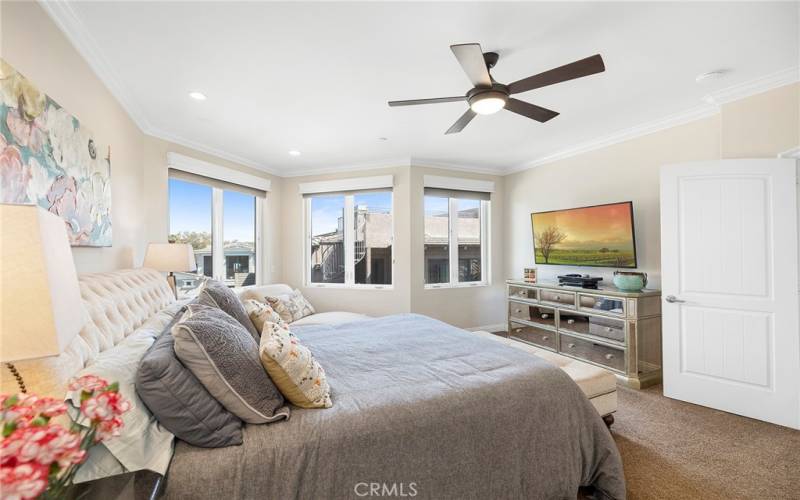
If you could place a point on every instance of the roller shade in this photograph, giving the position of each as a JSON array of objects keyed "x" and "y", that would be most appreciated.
[
  {"x": 202, "y": 172},
  {"x": 455, "y": 193},
  {"x": 457, "y": 187},
  {"x": 360, "y": 184},
  {"x": 217, "y": 183}
]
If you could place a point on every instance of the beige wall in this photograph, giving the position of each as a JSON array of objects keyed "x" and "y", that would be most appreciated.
[
  {"x": 35, "y": 46},
  {"x": 372, "y": 302},
  {"x": 408, "y": 294},
  {"x": 763, "y": 125},
  {"x": 465, "y": 307},
  {"x": 156, "y": 189}
]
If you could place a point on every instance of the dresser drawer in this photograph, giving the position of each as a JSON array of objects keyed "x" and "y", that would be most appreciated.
[
  {"x": 601, "y": 304},
  {"x": 520, "y": 292},
  {"x": 594, "y": 352},
  {"x": 534, "y": 335},
  {"x": 544, "y": 316},
  {"x": 557, "y": 297},
  {"x": 576, "y": 322}
]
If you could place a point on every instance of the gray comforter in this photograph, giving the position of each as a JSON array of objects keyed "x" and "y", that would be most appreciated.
[{"x": 421, "y": 409}]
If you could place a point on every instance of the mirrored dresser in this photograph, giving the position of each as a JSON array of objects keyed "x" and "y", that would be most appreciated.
[{"x": 618, "y": 330}]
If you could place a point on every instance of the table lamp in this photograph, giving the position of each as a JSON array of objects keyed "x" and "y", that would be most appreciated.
[
  {"x": 170, "y": 258},
  {"x": 40, "y": 300}
]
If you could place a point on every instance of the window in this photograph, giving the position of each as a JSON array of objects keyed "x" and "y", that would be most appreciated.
[
  {"x": 353, "y": 250},
  {"x": 190, "y": 222},
  {"x": 220, "y": 220},
  {"x": 239, "y": 238},
  {"x": 456, "y": 228}
]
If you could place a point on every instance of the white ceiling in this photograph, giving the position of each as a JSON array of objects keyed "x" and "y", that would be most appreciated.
[{"x": 316, "y": 77}]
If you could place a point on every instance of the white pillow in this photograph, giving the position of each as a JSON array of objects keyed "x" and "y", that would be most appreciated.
[{"x": 144, "y": 444}]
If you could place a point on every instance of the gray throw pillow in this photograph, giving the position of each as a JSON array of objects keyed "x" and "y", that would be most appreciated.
[
  {"x": 216, "y": 294},
  {"x": 224, "y": 357},
  {"x": 179, "y": 401}
]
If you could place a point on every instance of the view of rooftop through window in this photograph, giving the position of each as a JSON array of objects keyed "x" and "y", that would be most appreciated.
[
  {"x": 467, "y": 222},
  {"x": 371, "y": 238},
  {"x": 190, "y": 221}
]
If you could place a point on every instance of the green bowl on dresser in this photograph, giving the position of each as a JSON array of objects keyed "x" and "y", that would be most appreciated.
[{"x": 630, "y": 281}]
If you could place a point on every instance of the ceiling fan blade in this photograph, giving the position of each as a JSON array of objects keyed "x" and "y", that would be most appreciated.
[
  {"x": 462, "y": 122},
  {"x": 529, "y": 110},
  {"x": 470, "y": 57},
  {"x": 577, "y": 69},
  {"x": 435, "y": 100}
]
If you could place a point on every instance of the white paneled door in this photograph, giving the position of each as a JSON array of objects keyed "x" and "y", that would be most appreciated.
[{"x": 729, "y": 273}]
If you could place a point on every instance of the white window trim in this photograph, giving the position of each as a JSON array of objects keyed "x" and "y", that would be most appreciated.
[
  {"x": 486, "y": 254},
  {"x": 349, "y": 264},
  {"x": 218, "y": 236}
]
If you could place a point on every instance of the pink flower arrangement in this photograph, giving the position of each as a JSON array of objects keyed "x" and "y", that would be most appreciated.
[{"x": 39, "y": 458}]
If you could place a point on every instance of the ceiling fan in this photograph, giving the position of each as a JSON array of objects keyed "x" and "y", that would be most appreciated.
[{"x": 487, "y": 96}]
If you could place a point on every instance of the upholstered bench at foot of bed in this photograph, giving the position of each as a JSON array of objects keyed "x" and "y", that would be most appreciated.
[{"x": 599, "y": 384}]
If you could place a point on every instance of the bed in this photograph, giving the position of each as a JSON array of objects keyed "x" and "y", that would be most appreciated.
[
  {"x": 423, "y": 406},
  {"x": 421, "y": 409}
]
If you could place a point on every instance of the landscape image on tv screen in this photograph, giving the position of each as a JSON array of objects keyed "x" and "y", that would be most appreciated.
[{"x": 600, "y": 236}]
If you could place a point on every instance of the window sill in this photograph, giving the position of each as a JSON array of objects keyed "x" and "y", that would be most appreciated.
[
  {"x": 473, "y": 284},
  {"x": 342, "y": 286}
]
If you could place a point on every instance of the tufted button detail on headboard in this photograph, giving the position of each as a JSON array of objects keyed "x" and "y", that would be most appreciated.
[{"x": 116, "y": 303}]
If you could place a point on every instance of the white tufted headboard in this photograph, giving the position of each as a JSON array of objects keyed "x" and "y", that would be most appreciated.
[{"x": 116, "y": 303}]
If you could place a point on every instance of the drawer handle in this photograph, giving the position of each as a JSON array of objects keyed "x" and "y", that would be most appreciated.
[
  {"x": 609, "y": 356},
  {"x": 545, "y": 316},
  {"x": 608, "y": 329},
  {"x": 556, "y": 297},
  {"x": 571, "y": 345},
  {"x": 546, "y": 337},
  {"x": 518, "y": 310},
  {"x": 570, "y": 321}
]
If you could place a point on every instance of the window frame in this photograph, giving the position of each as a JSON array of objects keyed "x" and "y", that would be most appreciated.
[
  {"x": 218, "y": 234},
  {"x": 452, "y": 215},
  {"x": 349, "y": 244}
]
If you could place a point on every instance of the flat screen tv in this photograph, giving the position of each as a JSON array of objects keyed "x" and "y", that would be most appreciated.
[{"x": 598, "y": 236}]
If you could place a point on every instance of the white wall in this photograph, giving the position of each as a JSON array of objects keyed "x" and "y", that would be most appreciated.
[{"x": 759, "y": 126}]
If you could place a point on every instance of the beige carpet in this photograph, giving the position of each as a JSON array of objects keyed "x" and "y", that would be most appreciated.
[{"x": 676, "y": 450}]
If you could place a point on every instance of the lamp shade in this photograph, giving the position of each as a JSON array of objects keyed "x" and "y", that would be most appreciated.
[
  {"x": 170, "y": 257},
  {"x": 40, "y": 300}
]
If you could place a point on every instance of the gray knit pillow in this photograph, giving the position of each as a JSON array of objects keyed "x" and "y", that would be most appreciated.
[
  {"x": 179, "y": 401},
  {"x": 224, "y": 357},
  {"x": 216, "y": 294}
]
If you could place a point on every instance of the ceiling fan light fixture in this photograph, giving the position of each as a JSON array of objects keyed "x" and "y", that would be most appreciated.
[{"x": 487, "y": 103}]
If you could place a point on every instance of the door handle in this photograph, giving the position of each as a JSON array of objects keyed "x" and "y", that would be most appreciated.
[{"x": 673, "y": 299}]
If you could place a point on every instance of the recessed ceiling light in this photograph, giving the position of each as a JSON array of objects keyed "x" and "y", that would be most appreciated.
[
  {"x": 197, "y": 95},
  {"x": 711, "y": 75},
  {"x": 383, "y": 138},
  {"x": 294, "y": 152}
]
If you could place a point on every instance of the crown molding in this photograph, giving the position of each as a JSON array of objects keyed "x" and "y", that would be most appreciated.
[
  {"x": 764, "y": 83},
  {"x": 670, "y": 121},
  {"x": 62, "y": 14},
  {"x": 224, "y": 155},
  {"x": 350, "y": 167},
  {"x": 711, "y": 107},
  {"x": 422, "y": 162}
]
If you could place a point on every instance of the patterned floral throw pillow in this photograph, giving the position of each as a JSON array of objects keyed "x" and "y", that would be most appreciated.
[
  {"x": 292, "y": 368},
  {"x": 291, "y": 307},
  {"x": 260, "y": 313}
]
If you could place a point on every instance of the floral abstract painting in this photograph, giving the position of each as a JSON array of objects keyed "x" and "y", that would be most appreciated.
[{"x": 48, "y": 158}]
